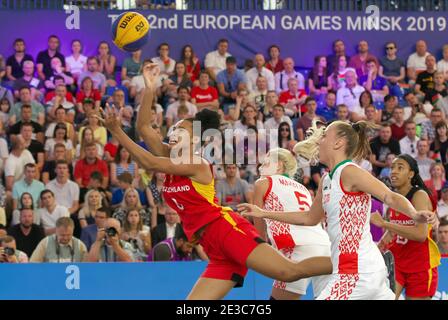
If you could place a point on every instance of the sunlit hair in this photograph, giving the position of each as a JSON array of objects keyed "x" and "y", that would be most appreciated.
[
  {"x": 124, "y": 204},
  {"x": 288, "y": 159},
  {"x": 309, "y": 148}
]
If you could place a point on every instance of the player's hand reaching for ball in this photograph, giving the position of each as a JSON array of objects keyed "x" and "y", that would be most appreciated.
[
  {"x": 250, "y": 210},
  {"x": 151, "y": 72}
]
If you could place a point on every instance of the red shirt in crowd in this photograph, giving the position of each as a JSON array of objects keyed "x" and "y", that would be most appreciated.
[
  {"x": 194, "y": 72},
  {"x": 204, "y": 95},
  {"x": 398, "y": 132},
  {"x": 111, "y": 148},
  {"x": 50, "y": 95},
  {"x": 95, "y": 95},
  {"x": 83, "y": 170},
  {"x": 286, "y": 96},
  {"x": 278, "y": 67}
]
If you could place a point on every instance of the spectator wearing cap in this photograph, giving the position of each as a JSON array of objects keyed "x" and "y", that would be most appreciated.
[
  {"x": 442, "y": 204},
  {"x": 306, "y": 120},
  {"x": 215, "y": 61},
  {"x": 278, "y": 116},
  {"x": 62, "y": 246},
  {"x": 229, "y": 81}
]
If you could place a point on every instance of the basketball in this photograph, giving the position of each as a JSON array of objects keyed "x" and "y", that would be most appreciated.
[{"x": 130, "y": 31}]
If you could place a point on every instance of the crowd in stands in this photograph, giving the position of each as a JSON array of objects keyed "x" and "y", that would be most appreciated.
[{"x": 70, "y": 193}]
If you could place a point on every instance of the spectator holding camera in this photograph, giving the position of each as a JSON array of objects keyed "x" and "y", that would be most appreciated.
[
  {"x": 9, "y": 252},
  {"x": 108, "y": 247},
  {"x": 137, "y": 234},
  {"x": 89, "y": 233},
  {"x": 62, "y": 246}
]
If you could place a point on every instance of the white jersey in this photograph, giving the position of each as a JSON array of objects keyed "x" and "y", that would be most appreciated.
[
  {"x": 285, "y": 194},
  {"x": 348, "y": 225}
]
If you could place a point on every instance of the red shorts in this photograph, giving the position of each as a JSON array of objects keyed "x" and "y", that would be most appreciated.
[
  {"x": 418, "y": 284},
  {"x": 228, "y": 241}
]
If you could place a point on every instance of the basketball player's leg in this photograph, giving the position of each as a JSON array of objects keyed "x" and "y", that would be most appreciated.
[
  {"x": 210, "y": 289},
  {"x": 398, "y": 290},
  {"x": 266, "y": 260},
  {"x": 422, "y": 285}
]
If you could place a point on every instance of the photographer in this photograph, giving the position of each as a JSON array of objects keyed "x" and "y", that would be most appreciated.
[
  {"x": 108, "y": 247},
  {"x": 62, "y": 246},
  {"x": 9, "y": 252}
]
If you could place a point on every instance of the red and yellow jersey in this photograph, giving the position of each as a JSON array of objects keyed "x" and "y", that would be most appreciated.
[
  {"x": 413, "y": 256},
  {"x": 195, "y": 203}
]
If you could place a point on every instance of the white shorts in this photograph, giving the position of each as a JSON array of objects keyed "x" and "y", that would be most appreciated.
[
  {"x": 299, "y": 253},
  {"x": 359, "y": 286}
]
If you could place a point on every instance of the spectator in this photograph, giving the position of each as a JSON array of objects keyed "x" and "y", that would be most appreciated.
[
  {"x": 342, "y": 113},
  {"x": 26, "y": 202},
  {"x": 216, "y": 61},
  {"x": 350, "y": 94},
  {"x": 289, "y": 72},
  {"x": 27, "y": 79},
  {"x": 438, "y": 95},
  {"x": 278, "y": 116},
  {"x": 137, "y": 85},
  {"x": 242, "y": 100},
  {"x": 338, "y": 51},
  {"x": 336, "y": 80},
  {"x": 86, "y": 138},
  {"x": 425, "y": 79},
  {"x": 95, "y": 183},
  {"x": 293, "y": 99},
  {"x": 131, "y": 201},
  {"x": 92, "y": 203},
  {"x": 439, "y": 146},
  {"x": 14, "y": 255},
  {"x": 36, "y": 128},
  {"x": 44, "y": 58},
  {"x": 285, "y": 136},
  {"x": 408, "y": 144},
  {"x": 436, "y": 182},
  {"x": 442, "y": 65},
  {"x": 229, "y": 81},
  {"x": 165, "y": 63},
  {"x": 156, "y": 186},
  {"x": 167, "y": 229},
  {"x": 258, "y": 94},
  {"x": 99, "y": 80},
  {"x": 442, "y": 236},
  {"x": 359, "y": 61},
  {"x": 76, "y": 63},
  {"x": 191, "y": 62},
  {"x": 374, "y": 83},
  {"x": 398, "y": 128},
  {"x": 125, "y": 112},
  {"x": 16, "y": 62},
  {"x": 99, "y": 132},
  {"x": 271, "y": 101},
  {"x": 417, "y": 61},
  {"x": 110, "y": 150},
  {"x": 66, "y": 191},
  {"x": 62, "y": 246},
  {"x": 59, "y": 136},
  {"x": 16, "y": 162},
  {"x": 233, "y": 190},
  {"x": 87, "y": 91},
  {"x": 249, "y": 118},
  {"x": 392, "y": 69},
  {"x": 27, "y": 233},
  {"x": 6, "y": 94},
  {"x": 131, "y": 68},
  {"x": 137, "y": 234},
  {"x": 172, "y": 110},
  {"x": 172, "y": 249},
  {"x": 122, "y": 163},
  {"x": 63, "y": 99},
  {"x": 172, "y": 83},
  {"x": 57, "y": 70},
  {"x": 108, "y": 246},
  {"x": 91, "y": 162},
  {"x": 89, "y": 233},
  {"x": 275, "y": 64},
  {"x": 49, "y": 170},
  {"x": 328, "y": 111},
  {"x": 386, "y": 171},
  {"x": 318, "y": 77},
  {"x": 107, "y": 62},
  {"x": 203, "y": 95},
  {"x": 259, "y": 70},
  {"x": 390, "y": 103},
  {"x": 423, "y": 161},
  {"x": 38, "y": 111},
  {"x": 125, "y": 180},
  {"x": 61, "y": 117},
  {"x": 306, "y": 120},
  {"x": 5, "y": 107},
  {"x": 381, "y": 146},
  {"x": 428, "y": 127},
  {"x": 27, "y": 184},
  {"x": 50, "y": 211}
]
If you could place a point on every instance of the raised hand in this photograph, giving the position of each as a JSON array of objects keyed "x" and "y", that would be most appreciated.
[
  {"x": 151, "y": 72},
  {"x": 111, "y": 119}
]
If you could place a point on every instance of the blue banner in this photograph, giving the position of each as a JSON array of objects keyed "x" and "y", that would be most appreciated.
[
  {"x": 301, "y": 35},
  {"x": 132, "y": 281}
]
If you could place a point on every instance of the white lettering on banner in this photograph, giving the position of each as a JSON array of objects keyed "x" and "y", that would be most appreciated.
[
  {"x": 192, "y": 21},
  {"x": 73, "y": 280},
  {"x": 73, "y": 20}
]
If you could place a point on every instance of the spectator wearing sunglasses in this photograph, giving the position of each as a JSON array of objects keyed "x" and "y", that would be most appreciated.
[{"x": 393, "y": 69}]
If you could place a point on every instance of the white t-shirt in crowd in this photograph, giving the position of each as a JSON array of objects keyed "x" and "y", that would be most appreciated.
[
  {"x": 64, "y": 194},
  {"x": 14, "y": 165},
  {"x": 253, "y": 74},
  {"x": 216, "y": 61},
  {"x": 76, "y": 66},
  {"x": 171, "y": 111},
  {"x": 350, "y": 98},
  {"x": 442, "y": 66},
  {"x": 48, "y": 220},
  {"x": 417, "y": 62},
  {"x": 4, "y": 153},
  {"x": 50, "y": 143}
]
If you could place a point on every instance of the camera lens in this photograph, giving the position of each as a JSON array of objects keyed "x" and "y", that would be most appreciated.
[{"x": 9, "y": 251}]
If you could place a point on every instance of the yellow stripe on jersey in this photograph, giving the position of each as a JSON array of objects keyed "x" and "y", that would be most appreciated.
[
  {"x": 429, "y": 279},
  {"x": 207, "y": 191},
  {"x": 434, "y": 253}
]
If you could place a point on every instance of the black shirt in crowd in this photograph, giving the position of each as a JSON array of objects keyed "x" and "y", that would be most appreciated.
[
  {"x": 15, "y": 128},
  {"x": 442, "y": 149},
  {"x": 16, "y": 67},
  {"x": 426, "y": 81},
  {"x": 50, "y": 167},
  {"x": 381, "y": 150},
  {"x": 35, "y": 148},
  {"x": 45, "y": 59},
  {"x": 27, "y": 243}
]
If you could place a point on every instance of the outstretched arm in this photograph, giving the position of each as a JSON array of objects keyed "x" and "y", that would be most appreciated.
[
  {"x": 304, "y": 218},
  {"x": 144, "y": 116}
]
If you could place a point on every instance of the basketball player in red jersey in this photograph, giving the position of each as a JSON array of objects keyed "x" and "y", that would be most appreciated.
[
  {"x": 416, "y": 254},
  {"x": 230, "y": 241}
]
